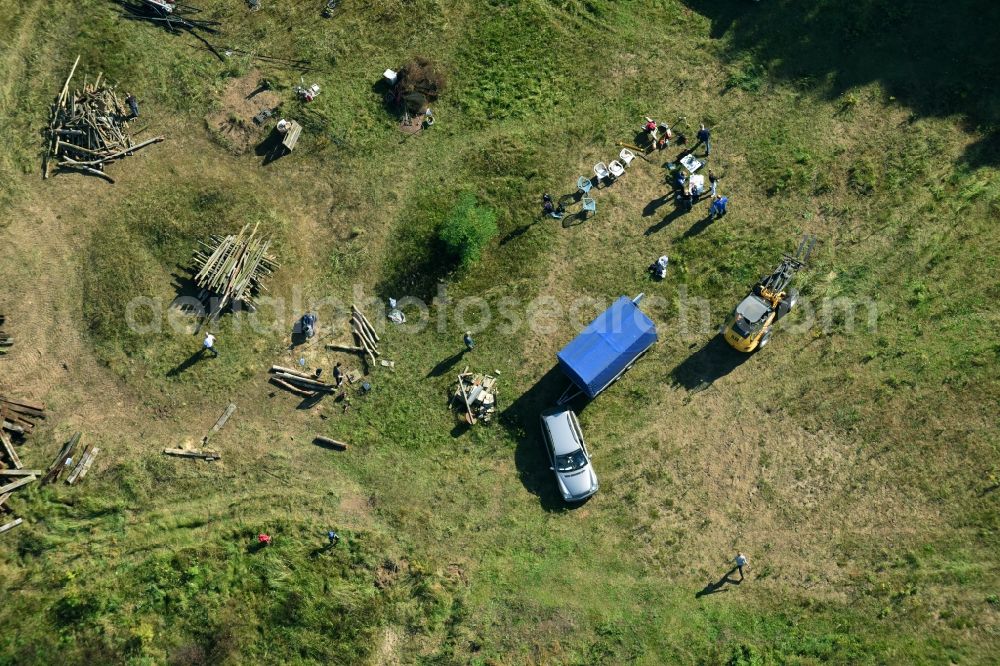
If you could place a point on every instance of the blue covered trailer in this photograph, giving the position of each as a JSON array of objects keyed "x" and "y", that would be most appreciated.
[{"x": 607, "y": 347}]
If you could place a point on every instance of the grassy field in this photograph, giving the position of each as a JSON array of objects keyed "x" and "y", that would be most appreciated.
[{"x": 854, "y": 460}]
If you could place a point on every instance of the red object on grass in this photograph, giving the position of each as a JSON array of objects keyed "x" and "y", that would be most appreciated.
[{"x": 264, "y": 539}]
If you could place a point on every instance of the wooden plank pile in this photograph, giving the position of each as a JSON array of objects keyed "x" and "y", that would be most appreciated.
[
  {"x": 89, "y": 128},
  {"x": 65, "y": 462},
  {"x": 234, "y": 267},
  {"x": 367, "y": 340},
  {"x": 299, "y": 383},
  {"x": 16, "y": 420},
  {"x": 478, "y": 395},
  {"x": 5, "y": 340}
]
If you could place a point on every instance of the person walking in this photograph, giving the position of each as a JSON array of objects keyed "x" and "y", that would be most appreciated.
[
  {"x": 741, "y": 561},
  {"x": 333, "y": 538},
  {"x": 704, "y": 137},
  {"x": 469, "y": 342},
  {"x": 713, "y": 181},
  {"x": 208, "y": 345}
]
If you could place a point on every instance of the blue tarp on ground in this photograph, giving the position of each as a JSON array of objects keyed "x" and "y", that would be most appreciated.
[{"x": 607, "y": 346}]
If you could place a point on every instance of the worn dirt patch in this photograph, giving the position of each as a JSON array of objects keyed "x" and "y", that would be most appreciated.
[{"x": 242, "y": 99}]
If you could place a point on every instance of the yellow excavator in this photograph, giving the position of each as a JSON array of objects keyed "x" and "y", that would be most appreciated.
[{"x": 749, "y": 326}]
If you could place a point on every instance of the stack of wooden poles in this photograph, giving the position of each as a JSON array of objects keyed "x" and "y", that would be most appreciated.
[
  {"x": 299, "y": 383},
  {"x": 88, "y": 129},
  {"x": 234, "y": 267},
  {"x": 364, "y": 334}
]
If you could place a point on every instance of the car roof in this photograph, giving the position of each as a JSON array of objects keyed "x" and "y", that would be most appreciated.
[
  {"x": 561, "y": 431},
  {"x": 752, "y": 308}
]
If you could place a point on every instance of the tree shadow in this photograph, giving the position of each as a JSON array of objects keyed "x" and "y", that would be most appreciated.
[
  {"x": 445, "y": 365},
  {"x": 521, "y": 419},
  {"x": 938, "y": 60},
  {"x": 718, "y": 586},
  {"x": 187, "y": 363},
  {"x": 713, "y": 361}
]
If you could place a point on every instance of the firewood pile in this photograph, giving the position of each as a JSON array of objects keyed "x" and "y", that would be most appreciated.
[
  {"x": 5, "y": 340},
  {"x": 89, "y": 128},
  {"x": 476, "y": 395},
  {"x": 234, "y": 268}
]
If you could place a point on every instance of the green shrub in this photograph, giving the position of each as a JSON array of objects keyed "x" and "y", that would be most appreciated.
[{"x": 467, "y": 229}]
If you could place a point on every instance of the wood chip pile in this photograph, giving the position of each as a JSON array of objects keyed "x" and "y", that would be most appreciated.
[
  {"x": 234, "y": 267},
  {"x": 5, "y": 340},
  {"x": 89, "y": 128}
]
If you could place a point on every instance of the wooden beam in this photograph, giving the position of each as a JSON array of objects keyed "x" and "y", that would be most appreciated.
[
  {"x": 221, "y": 422},
  {"x": 193, "y": 453},
  {"x": 11, "y": 487},
  {"x": 11, "y": 525},
  {"x": 84, "y": 466},
  {"x": 332, "y": 443},
  {"x": 20, "y": 472}
]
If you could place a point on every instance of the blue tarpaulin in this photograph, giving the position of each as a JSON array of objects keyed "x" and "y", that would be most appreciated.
[{"x": 607, "y": 346}]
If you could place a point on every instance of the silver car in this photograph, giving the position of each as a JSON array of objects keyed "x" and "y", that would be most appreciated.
[{"x": 568, "y": 455}]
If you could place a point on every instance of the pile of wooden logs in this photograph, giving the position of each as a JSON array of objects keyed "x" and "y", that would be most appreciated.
[
  {"x": 234, "y": 267},
  {"x": 89, "y": 128},
  {"x": 18, "y": 416},
  {"x": 478, "y": 395},
  {"x": 299, "y": 383},
  {"x": 364, "y": 334},
  {"x": 5, "y": 340}
]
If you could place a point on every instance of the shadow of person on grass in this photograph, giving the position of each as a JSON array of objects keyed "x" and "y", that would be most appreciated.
[
  {"x": 446, "y": 364},
  {"x": 718, "y": 586},
  {"x": 699, "y": 227},
  {"x": 677, "y": 212},
  {"x": 188, "y": 362}
]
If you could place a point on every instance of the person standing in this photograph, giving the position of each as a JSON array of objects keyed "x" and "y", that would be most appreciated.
[
  {"x": 333, "y": 537},
  {"x": 469, "y": 342},
  {"x": 713, "y": 181},
  {"x": 338, "y": 374},
  {"x": 133, "y": 105},
  {"x": 741, "y": 561},
  {"x": 208, "y": 345},
  {"x": 704, "y": 137},
  {"x": 718, "y": 208}
]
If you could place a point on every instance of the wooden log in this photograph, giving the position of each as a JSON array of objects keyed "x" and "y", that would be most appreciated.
[
  {"x": 11, "y": 525},
  {"x": 192, "y": 453},
  {"x": 292, "y": 371},
  {"x": 370, "y": 342},
  {"x": 332, "y": 443},
  {"x": 6, "y": 444},
  {"x": 345, "y": 348},
  {"x": 20, "y": 472},
  {"x": 221, "y": 422},
  {"x": 364, "y": 320},
  {"x": 84, "y": 466},
  {"x": 294, "y": 389},
  {"x": 4, "y": 498},
  {"x": 36, "y": 406},
  {"x": 14, "y": 485},
  {"x": 304, "y": 381},
  {"x": 13, "y": 427}
]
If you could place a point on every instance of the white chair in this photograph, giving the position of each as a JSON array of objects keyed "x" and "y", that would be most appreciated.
[
  {"x": 617, "y": 170},
  {"x": 626, "y": 156},
  {"x": 601, "y": 171}
]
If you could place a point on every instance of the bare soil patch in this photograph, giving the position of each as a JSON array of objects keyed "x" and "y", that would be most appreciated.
[{"x": 242, "y": 99}]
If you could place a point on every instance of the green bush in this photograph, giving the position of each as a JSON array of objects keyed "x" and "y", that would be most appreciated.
[{"x": 467, "y": 229}]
